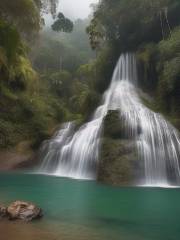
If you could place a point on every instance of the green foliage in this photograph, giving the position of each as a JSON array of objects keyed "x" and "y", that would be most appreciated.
[
  {"x": 61, "y": 83},
  {"x": 84, "y": 100},
  {"x": 24, "y": 14},
  {"x": 62, "y": 24},
  {"x": 79, "y": 41},
  {"x": 147, "y": 57},
  {"x": 149, "y": 28},
  {"x": 30, "y": 114},
  {"x": 95, "y": 32},
  {"x": 169, "y": 73},
  {"x": 30, "y": 106},
  {"x": 64, "y": 60},
  {"x": 159, "y": 72},
  {"x": 53, "y": 55},
  {"x": 129, "y": 23},
  {"x": 117, "y": 27},
  {"x": 9, "y": 41},
  {"x": 28, "y": 110},
  {"x": 171, "y": 47},
  {"x": 62, "y": 51},
  {"x": 86, "y": 73},
  {"x": 77, "y": 98},
  {"x": 71, "y": 79},
  {"x": 104, "y": 66},
  {"x": 15, "y": 68}
]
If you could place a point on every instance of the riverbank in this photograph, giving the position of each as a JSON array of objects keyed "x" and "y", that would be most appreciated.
[
  {"x": 20, "y": 231},
  {"x": 21, "y": 156},
  {"x": 11, "y": 160}
]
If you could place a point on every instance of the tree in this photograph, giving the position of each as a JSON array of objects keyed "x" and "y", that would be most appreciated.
[
  {"x": 128, "y": 23},
  {"x": 23, "y": 14},
  {"x": 26, "y": 15},
  {"x": 62, "y": 24}
]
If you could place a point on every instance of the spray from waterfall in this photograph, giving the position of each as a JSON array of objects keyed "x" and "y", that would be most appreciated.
[{"x": 76, "y": 154}]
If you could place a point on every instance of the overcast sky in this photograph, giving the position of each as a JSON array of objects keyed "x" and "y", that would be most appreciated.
[
  {"x": 76, "y": 8},
  {"x": 72, "y": 9}
]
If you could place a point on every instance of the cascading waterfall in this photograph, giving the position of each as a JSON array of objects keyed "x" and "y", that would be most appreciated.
[{"x": 76, "y": 154}]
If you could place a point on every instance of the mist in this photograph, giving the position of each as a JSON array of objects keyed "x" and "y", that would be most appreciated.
[{"x": 76, "y": 8}]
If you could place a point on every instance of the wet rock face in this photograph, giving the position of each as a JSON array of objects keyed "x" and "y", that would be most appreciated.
[
  {"x": 119, "y": 164},
  {"x": 25, "y": 211}
]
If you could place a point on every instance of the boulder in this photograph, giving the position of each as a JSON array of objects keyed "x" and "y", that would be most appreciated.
[
  {"x": 23, "y": 211},
  {"x": 113, "y": 125},
  {"x": 119, "y": 163},
  {"x": 2, "y": 211}
]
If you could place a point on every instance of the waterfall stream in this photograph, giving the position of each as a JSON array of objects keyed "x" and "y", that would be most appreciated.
[{"x": 75, "y": 154}]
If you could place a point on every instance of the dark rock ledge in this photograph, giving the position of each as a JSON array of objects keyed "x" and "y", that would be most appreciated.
[{"x": 20, "y": 210}]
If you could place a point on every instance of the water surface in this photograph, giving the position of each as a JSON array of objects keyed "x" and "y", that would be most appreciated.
[{"x": 75, "y": 210}]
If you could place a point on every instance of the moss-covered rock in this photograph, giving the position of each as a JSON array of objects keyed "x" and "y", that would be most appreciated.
[
  {"x": 113, "y": 127},
  {"x": 175, "y": 122},
  {"x": 119, "y": 163}
]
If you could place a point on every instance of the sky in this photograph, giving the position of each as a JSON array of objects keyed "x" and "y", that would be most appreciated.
[
  {"x": 72, "y": 9},
  {"x": 76, "y": 8}
]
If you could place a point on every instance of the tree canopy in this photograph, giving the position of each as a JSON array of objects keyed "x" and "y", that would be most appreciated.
[
  {"x": 129, "y": 23},
  {"x": 62, "y": 24},
  {"x": 26, "y": 15}
]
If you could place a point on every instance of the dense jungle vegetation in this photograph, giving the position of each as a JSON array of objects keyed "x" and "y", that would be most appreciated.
[
  {"x": 41, "y": 72},
  {"x": 48, "y": 76}
]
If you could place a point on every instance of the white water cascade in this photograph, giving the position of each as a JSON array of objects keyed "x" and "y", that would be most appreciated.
[{"x": 76, "y": 154}]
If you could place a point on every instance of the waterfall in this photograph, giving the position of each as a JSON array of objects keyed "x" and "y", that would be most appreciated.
[{"x": 75, "y": 154}]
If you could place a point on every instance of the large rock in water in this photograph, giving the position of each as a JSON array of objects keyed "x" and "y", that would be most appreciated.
[
  {"x": 23, "y": 211},
  {"x": 119, "y": 164}
]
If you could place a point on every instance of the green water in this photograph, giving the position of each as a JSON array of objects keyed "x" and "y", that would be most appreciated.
[{"x": 87, "y": 210}]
